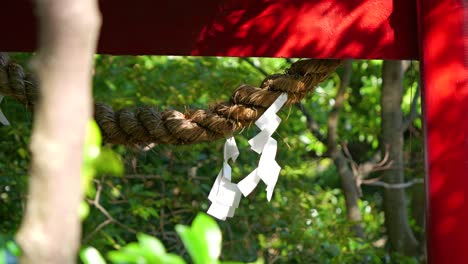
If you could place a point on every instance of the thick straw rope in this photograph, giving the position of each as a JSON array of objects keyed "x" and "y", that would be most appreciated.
[{"x": 145, "y": 125}]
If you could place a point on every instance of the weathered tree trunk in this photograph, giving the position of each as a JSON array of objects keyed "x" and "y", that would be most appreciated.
[
  {"x": 351, "y": 193},
  {"x": 399, "y": 232},
  {"x": 418, "y": 207},
  {"x": 348, "y": 182},
  {"x": 50, "y": 230}
]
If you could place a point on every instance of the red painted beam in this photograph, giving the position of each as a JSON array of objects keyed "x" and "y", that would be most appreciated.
[
  {"x": 444, "y": 60},
  {"x": 281, "y": 28}
]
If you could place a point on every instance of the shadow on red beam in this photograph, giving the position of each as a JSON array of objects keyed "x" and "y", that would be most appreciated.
[{"x": 284, "y": 28}]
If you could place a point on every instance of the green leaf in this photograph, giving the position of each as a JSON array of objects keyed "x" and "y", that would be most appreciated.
[
  {"x": 258, "y": 261},
  {"x": 3, "y": 256},
  {"x": 151, "y": 244},
  {"x": 93, "y": 141},
  {"x": 97, "y": 159},
  {"x": 91, "y": 150},
  {"x": 151, "y": 248},
  {"x": 172, "y": 259},
  {"x": 202, "y": 240},
  {"x": 108, "y": 162},
  {"x": 125, "y": 257},
  {"x": 23, "y": 153},
  {"x": 131, "y": 253},
  {"x": 90, "y": 255},
  {"x": 134, "y": 253},
  {"x": 207, "y": 229},
  {"x": 83, "y": 210},
  {"x": 13, "y": 248},
  {"x": 195, "y": 248}
]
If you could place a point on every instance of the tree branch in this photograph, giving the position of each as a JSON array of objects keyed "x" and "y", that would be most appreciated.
[
  {"x": 110, "y": 219},
  {"x": 332, "y": 124},
  {"x": 259, "y": 69},
  {"x": 312, "y": 125},
  {"x": 68, "y": 31},
  {"x": 394, "y": 185}
]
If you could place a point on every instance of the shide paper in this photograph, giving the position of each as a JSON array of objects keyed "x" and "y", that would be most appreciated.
[
  {"x": 268, "y": 169},
  {"x": 225, "y": 195},
  {"x": 3, "y": 119}
]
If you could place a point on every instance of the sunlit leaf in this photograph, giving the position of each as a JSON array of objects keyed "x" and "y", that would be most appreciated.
[
  {"x": 90, "y": 255},
  {"x": 108, "y": 162},
  {"x": 172, "y": 259},
  {"x": 202, "y": 240},
  {"x": 205, "y": 228},
  {"x": 93, "y": 141},
  {"x": 83, "y": 210},
  {"x": 3, "y": 256},
  {"x": 131, "y": 253},
  {"x": 153, "y": 249}
]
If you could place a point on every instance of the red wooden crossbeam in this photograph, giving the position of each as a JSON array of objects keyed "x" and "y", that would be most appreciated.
[
  {"x": 434, "y": 31},
  {"x": 283, "y": 28}
]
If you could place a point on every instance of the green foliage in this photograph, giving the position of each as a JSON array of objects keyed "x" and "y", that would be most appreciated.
[
  {"x": 147, "y": 250},
  {"x": 9, "y": 251},
  {"x": 98, "y": 160},
  {"x": 165, "y": 187},
  {"x": 202, "y": 240},
  {"x": 90, "y": 255}
]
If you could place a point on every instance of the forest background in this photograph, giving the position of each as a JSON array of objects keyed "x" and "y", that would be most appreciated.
[{"x": 348, "y": 192}]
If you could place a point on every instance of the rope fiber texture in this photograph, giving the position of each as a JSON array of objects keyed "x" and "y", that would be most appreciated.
[{"x": 145, "y": 125}]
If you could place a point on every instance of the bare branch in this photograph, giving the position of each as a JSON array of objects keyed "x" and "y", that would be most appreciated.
[
  {"x": 361, "y": 171},
  {"x": 332, "y": 123},
  {"x": 385, "y": 158},
  {"x": 354, "y": 165},
  {"x": 312, "y": 125},
  {"x": 394, "y": 185},
  {"x": 110, "y": 219},
  {"x": 96, "y": 230},
  {"x": 259, "y": 69},
  {"x": 143, "y": 176}
]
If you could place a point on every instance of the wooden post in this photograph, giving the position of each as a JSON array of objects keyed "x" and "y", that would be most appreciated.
[
  {"x": 444, "y": 54},
  {"x": 51, "y": 228}
]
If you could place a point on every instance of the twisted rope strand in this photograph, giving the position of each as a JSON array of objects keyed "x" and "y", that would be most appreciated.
[{"x": 146, "y": 125}]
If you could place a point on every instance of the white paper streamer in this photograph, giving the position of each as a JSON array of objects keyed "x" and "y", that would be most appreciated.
[
  {"x": 268, "y": 169},
  {"x": 3, "y": 118},
  {"x": 230, "y": 149},
  {"x": 248, "y": 184},
  {"x": 225, "y": 195}
]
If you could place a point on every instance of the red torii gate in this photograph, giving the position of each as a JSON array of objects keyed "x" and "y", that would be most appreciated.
[{"x": 433, "y": 31}]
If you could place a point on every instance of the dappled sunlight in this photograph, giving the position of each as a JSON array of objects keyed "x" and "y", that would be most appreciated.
[
  {"x": 310, "y": 29},
  {"x": 446, "y": 99},
  {"x": 284, "y": 28}
]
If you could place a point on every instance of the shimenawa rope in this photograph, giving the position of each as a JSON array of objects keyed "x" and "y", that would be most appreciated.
[{"x": 145, "y": 125}]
